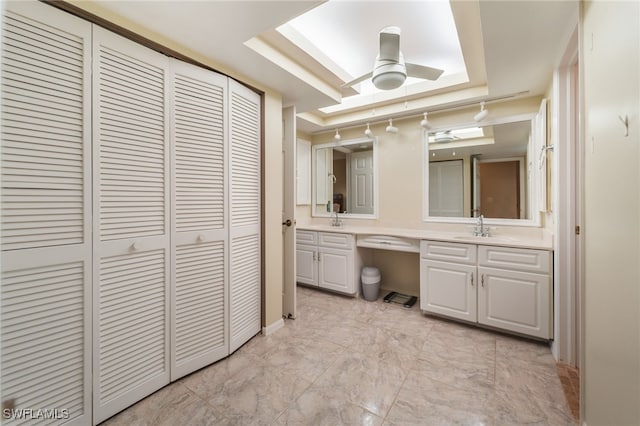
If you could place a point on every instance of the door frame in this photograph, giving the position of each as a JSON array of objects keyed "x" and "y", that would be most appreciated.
[
  {"x": 289, "y": 195},
  {"x": 567, "y": 169}
]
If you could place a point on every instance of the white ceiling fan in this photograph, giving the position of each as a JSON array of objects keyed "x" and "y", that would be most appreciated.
[{"x": 390, "y": 70}]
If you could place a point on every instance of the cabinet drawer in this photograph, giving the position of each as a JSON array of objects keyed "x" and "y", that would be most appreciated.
[
  {"x": 516, "y": 259},
  {"x": 328, "y": 239},
  {"x": 448, "y": 252},
  {"x": 306, "y": 237},
  {"x": 387, "y": 242}
]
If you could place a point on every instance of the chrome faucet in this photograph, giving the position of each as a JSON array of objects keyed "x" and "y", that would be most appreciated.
[
  {"x": 480, "y": 230},
  {"x": 336, "y": 219}
]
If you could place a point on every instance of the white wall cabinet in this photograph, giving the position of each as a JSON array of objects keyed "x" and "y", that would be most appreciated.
[
  {"x": 130, "y": 216},
  {"x": 502, "y": 287},
  {"x": 328, "y": 260}
]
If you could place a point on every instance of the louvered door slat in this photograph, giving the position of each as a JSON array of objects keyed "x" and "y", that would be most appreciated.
[
  {"x": 40, "y": 66},
  {"x": 199, "y": 225},
  {"x": 43, "y": 336},
  {"x": 136, "y": 294},
  {"x": 199, "y": 300},
  {"x": 245, "y": 257},
  {"x": 131, "y": 120}
]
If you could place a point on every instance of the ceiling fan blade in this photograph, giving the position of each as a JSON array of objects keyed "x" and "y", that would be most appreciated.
[
  {"x": 358, "y": 80},
  {"x": 420, "y": 71},
  {"x": 390, "y": 44}
]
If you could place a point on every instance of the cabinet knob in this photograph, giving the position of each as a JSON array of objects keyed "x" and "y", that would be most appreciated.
[
  {"x": 200, "y": 238},
  {"x": 135, "y": 246}
]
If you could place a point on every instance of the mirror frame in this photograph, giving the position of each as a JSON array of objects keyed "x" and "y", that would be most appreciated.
[
  {"x": 537, "y": 175},
  {"x": 315, "y": 148}
]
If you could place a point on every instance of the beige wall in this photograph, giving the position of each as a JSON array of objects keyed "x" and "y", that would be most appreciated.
[
  {"x": 611, "y": 359},
  {"x": 273, "y": 159},
  {"x": 400, "y": 159}
]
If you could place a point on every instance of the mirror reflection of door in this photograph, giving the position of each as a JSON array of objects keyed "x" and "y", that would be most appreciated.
[
  {"x": 446, "y": 188},
  {"x": 361, "y": 199},
  {"x": 499, "y": 186}
]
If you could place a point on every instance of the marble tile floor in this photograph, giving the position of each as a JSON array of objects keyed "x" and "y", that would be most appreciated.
[{"x": 347, "y": 361}]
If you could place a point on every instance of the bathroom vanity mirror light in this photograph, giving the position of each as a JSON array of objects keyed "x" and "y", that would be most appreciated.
[
  {"x": 505, "y": 149},
  {"x": 345, "y": 178}
]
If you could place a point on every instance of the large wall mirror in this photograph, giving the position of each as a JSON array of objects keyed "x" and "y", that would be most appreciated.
[
  {"x": 344, "y": 178},
  {"x": 491, "y": 169}
]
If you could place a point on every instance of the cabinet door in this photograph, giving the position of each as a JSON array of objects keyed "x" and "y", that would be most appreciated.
[
  {"x": 46, "y": 211},
  {"x": 448, "y": 289},
  {"x": 516, "y": 301},
  {"x": 335, "y": 270},
  {"x": 306, "y": 264}
]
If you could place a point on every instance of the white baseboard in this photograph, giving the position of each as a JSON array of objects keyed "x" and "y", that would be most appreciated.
[{"x": 272, "y": 328}]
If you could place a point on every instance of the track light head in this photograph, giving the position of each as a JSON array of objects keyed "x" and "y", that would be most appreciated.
[
  {"x": 391, "y": 128},
  {"x": 425, "y": 123},
  {"x": 368, "y": 133},
  {"x": 484, "y": 113}
]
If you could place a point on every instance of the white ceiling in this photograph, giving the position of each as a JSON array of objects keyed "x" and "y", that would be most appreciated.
[{"x": 508, "y": 47}]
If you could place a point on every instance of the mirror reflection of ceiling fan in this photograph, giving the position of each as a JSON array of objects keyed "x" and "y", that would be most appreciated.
[{"x": 390, "y": 70}]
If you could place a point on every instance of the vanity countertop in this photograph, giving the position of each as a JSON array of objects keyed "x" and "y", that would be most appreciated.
[{"x": 545, "y": 242}]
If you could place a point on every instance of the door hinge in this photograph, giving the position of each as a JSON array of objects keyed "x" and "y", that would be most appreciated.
[{"x": 577, "y": 229}]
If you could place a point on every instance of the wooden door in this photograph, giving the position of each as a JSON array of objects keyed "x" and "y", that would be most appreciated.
[{"x": 500, "y": 189}]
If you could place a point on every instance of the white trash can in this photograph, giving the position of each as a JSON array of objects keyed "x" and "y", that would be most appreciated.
[{"x": 370, "y": 278}]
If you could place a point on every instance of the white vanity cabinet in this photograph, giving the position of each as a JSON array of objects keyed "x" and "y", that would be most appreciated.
[
  {"x": 307, "y": 257},
  {"x": 327, "y": 260},
  {"x": 502, "y": 287},
  {"x": 515, "y": 289},
  {"x": 448, "y": 279}
]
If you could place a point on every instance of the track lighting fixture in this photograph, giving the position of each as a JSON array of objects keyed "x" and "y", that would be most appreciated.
[
  {"x": 368, "y": 133},
  {"x": 391, "y": 128},
  {"x": 482, "y": 114},
  {"x": 425, "y": 123},
  {"x": 337, "y": 136}
]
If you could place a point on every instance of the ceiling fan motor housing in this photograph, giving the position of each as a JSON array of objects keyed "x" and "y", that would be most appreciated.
[{"x": 388, "y": 75}]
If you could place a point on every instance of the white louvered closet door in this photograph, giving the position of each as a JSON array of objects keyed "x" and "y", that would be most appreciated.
[
  {"x": 131, "y": 223},
  {"x": 245, "y": 175},
  {"x": 46, "y": 216},
  {"x": 199, "y": 227}
]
